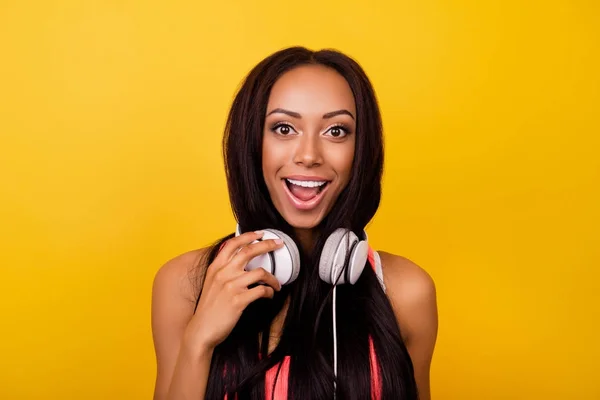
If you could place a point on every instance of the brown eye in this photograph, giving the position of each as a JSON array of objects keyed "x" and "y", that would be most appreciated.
[
  {"x": 282, "y": 129},
  {"x": 337, "y": 131}
]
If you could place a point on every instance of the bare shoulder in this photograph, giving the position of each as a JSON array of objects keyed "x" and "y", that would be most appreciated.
[
  {"x": 174, "y": 291},
  {"x": 405, "y": 279},
  {"x": 179, "y": 276},
  {"x": 412, "y": 292}
]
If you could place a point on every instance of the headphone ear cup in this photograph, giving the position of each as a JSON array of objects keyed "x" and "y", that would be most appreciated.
[
  {"x": 287, "y": 258},
  {"x": 357, "y": 262},
  {"x": 333, "y": 256}
]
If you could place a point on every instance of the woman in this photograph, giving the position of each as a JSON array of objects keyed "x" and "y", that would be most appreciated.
[{"x": 304, "y": 155}]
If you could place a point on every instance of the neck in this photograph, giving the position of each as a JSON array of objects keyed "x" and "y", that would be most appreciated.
[{"x": 307, "y": 238}]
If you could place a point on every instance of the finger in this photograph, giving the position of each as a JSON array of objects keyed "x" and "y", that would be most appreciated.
[
  {"x": 233, "y": 245},
  {"x": 247, "y": 253},
  {"x": 255, "y": 276},
  {"x": 243, "y": 299}
]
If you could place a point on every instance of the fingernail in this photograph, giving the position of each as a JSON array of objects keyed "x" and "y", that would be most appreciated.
[
  {"x": 259, "y": 232},
  {"x": 278, "y": 241}
]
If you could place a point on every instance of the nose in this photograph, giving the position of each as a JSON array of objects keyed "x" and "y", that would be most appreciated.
[{"x": 308, "y": 151}]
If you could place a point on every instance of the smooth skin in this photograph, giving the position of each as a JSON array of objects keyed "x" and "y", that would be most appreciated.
[
  {"x": 185, "y": 341},
  {"x": 309, "y": 130}
]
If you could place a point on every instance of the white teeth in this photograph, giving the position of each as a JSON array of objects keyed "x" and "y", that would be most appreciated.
[{"x": 307, "y": 183}]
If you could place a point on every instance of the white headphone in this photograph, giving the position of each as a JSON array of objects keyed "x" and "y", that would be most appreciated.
[{"x": 340, "y": 247}]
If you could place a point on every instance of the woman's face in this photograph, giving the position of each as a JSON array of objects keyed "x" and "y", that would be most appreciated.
[{"x": 308, "y": 143}]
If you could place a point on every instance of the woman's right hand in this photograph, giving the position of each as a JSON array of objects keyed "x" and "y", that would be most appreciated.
[{"x": 225, "y": 293}]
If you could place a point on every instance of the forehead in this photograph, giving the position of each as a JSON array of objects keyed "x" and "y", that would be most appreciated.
[{"x": 312, "y": 90}]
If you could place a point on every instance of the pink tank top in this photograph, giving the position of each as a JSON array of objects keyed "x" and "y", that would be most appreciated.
[{"x": 281, "y": 385}]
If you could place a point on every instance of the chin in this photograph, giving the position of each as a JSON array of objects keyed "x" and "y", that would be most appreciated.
[
  {"x": 302, "y": 221},
  {"x": 305, "y": 220}
]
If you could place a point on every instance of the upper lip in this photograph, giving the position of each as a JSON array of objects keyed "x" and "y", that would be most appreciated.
[{"x": 306, "y": 178}]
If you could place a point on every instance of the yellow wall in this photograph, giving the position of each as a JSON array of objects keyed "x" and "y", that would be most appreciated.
[{"x": 110, "y": 121}]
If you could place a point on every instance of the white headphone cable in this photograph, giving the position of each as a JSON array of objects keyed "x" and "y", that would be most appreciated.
[{"x": 334, "y": 343}]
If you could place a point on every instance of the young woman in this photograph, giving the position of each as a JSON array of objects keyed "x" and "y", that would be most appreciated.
[{"x": 303, "y": 154}]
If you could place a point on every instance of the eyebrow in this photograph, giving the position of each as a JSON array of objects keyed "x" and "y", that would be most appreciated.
[{"x": 297, "y": 115}]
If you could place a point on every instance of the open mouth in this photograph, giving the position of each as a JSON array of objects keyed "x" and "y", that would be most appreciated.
[
  {"x": 305, "y": 195},
  {"x": 305, "y": 190}
]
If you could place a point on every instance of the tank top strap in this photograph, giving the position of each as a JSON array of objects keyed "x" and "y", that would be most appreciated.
[{"x": 375, "y": 262}]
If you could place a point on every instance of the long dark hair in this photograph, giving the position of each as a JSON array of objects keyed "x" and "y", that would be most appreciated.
[{"x": 363, "y": 310}]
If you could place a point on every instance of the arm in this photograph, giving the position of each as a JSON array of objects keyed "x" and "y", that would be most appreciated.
[
  {"x": 185, "y": 339},
  {"x": 182, "y": 369},
  {"x": 413, "y": 296}
]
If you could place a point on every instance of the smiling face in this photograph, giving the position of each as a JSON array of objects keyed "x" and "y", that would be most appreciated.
[{"x": 308, "y": 143}]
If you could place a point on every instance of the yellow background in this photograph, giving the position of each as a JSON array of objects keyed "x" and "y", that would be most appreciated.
[{"x": 111, "y": 116}]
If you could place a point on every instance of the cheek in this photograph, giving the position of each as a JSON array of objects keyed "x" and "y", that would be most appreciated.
[
  {"x": 271, "y": 159},
  {"x": 343, "y": 161}
]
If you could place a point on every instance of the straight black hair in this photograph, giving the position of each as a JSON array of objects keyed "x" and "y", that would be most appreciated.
[{"x": 364, "y": 311}]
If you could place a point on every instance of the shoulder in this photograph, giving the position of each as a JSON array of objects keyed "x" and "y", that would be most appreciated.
[
  {"x": 174, "y": 292},
  {"x": 412, "y": 292},
  {"x": 179, "y": 276}
]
